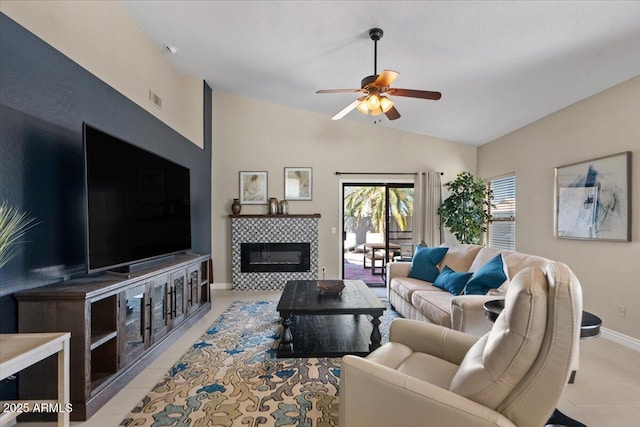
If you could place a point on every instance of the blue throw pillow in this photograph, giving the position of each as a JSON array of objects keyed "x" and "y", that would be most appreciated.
[
  {"x": 489, "y": 276},
  {"x": 424, "y": 265},
  {"x": 452, "y": 281}
]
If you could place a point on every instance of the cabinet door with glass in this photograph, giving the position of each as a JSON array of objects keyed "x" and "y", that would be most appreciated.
[
  {"x": 179, "y": 291},
  {"x": 193, "y": 295},
  {"x": 160, "y": 306},
  {"x": 133, "y": 334}
]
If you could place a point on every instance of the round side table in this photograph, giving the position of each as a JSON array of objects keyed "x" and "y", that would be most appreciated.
[{"x": 589, "y": 326}]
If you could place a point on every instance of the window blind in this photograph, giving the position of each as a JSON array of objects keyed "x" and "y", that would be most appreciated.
[{"x": 502, "y": 231}]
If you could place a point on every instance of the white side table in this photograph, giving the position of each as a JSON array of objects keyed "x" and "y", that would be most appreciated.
[{"x": 19, "y": 351}]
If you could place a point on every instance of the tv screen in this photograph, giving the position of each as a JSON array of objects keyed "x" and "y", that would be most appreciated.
[{"x": 138, "y": 204}]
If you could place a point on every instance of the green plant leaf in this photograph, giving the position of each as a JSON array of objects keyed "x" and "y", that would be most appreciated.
[
  {"x": 14, "y": 225},
  {"x": 465, "y": 212}
]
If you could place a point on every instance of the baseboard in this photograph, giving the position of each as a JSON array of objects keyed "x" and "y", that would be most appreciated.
[
  {"x": 622, "y": 339},
  {"x": 221, "y": 286}
]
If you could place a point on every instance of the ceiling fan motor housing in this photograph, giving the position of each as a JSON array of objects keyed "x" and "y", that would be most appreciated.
[{"x": 367, "y": 81}]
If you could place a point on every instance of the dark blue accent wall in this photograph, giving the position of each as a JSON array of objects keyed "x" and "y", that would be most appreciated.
[{"x": 44, "y": 99}]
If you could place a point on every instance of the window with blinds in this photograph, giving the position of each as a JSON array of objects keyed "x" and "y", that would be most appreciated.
[{"x": 502, "y": 231}]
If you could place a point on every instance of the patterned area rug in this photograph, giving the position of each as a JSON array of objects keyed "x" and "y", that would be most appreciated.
[{"x": 231, "y": 377}]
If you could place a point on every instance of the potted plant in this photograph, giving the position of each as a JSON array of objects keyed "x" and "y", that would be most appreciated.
[
  {"x": 466, "y": 211},
  {"x": 13, "y": 226}
]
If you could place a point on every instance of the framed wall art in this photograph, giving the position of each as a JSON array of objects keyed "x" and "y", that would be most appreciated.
[
  {"x": 253, "y": 188},
  {"x": 593, "y": 199},
  {"x": 298, "y": 183}
]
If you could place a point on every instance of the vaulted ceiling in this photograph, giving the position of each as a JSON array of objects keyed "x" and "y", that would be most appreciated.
[{"x": 499, "y": 65}]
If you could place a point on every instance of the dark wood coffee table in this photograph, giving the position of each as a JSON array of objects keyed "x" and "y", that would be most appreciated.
[{"x": 328, "y": 324}]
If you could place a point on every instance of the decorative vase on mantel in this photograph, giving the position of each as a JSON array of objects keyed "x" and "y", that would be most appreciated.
[
  {"x": 283, "y": 207},
  {"x": 273, "y": 206},
  {"x": 236, "y": 207}
]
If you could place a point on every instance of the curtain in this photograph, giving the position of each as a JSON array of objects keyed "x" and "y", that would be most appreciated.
[{"x": 427, "y": 200}]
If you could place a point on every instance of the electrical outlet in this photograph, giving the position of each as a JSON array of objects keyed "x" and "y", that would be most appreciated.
[{"x": 622, "y": 311}]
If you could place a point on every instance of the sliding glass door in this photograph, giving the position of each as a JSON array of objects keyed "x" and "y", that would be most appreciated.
[{"x": 377, "y": 221}]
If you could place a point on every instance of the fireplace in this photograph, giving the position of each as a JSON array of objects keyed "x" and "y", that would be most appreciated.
[
  {"x": 269, "y": 250},
  {"x": 275, "y": 257}
]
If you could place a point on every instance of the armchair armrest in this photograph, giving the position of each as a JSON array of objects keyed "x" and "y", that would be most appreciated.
[
  {"x": 467, "y": 314},
  {"x": 436, "y": 340},
  {"x": 374, "y": 395},
  {"x": 397, "y": 269}
]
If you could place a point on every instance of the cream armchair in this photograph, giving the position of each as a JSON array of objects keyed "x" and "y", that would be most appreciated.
[{"x": 429, "y": 375}]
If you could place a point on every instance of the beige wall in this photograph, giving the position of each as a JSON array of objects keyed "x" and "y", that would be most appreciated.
[
  {"x": 604, "y": 124},
  {"x": 250, "y": 135},
  {"x": 101, "y": 37}
]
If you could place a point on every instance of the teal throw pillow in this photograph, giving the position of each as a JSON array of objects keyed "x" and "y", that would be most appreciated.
[
  {"x": 452, "y": 281},
  {"x": 489, "y": 276},
  {"x": 424, "y": 265}
]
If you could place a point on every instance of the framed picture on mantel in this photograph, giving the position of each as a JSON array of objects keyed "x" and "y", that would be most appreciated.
[
  {"x": 593, "y": 199},
  {"x": 298, "y": 183},
  {"x": 253, "y": 188}
]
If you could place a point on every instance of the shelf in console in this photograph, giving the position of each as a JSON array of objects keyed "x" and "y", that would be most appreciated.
[{"x": 100, "y": 337}]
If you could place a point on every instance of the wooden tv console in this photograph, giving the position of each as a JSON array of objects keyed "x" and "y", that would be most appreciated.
[{"x": 118, "y": 324}]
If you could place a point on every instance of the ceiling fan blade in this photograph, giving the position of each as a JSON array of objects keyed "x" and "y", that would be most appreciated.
[
  {"x": 346, "y": 110},
  {"x": 411, "y": 93},
  {"x": 338, "y": 90},
  {"x": 386, "y": 78},
  {"x": 393, "y": 114}
]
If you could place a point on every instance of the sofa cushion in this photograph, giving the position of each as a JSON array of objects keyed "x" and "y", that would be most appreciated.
[
  {"x": 424, "y": 265},
  {"x": 406, "y": 286},
  {"x": 452, "y": 281},
  {"x": 429, "y": 368},
  {"x": 423, "y": 366},
  {"x": 435, "y": 306},
  {"x": 460, "y": 257},
  {"x": 490, "y": 276},
  {"x": 484, "y": 256}
]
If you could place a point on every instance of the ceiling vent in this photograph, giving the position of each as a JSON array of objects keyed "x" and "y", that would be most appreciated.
[{"x": 155, "y": 99}]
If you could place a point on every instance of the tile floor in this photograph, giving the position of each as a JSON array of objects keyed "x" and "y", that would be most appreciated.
[{"x": 606, "y": 392}]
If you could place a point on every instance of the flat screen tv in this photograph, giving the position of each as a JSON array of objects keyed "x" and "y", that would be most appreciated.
[{"x": 137, "y": 204}]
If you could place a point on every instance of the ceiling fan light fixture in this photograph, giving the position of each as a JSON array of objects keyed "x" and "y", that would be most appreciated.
[
  {"x": 376, "y": 112},
  {"x": 373, "y": 102},
  {"x": 363, "y": 108},
  {"x": 386, "y": 104}
]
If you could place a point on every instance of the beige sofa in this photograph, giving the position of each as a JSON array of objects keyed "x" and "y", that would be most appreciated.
[{"x": 420, "y": 300}]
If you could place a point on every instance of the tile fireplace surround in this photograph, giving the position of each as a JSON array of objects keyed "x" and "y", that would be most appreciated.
[{"x": 272, "y": 229}]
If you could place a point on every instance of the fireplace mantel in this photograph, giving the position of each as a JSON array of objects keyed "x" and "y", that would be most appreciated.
[
  {"x": 283, "y": 216},
  {"x": 272, "y": 229}
]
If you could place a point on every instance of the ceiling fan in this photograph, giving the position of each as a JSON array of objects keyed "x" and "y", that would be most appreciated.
[{"x": 375, "y": 89}]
